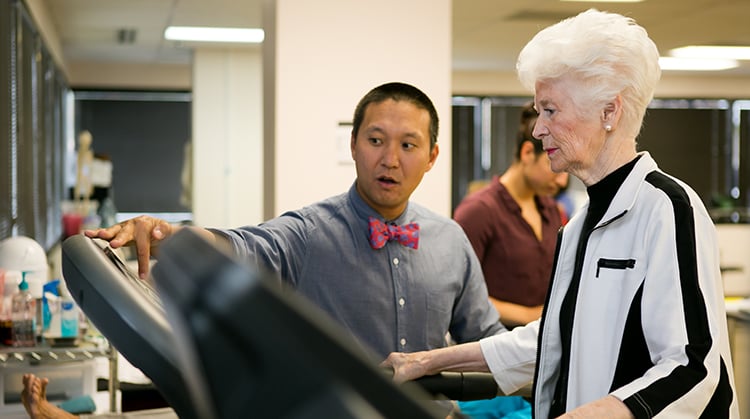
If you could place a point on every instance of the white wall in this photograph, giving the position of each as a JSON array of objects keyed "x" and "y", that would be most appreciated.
[
  {"x": 365, "y": 43},
  {"x": 97, "y": 74}
]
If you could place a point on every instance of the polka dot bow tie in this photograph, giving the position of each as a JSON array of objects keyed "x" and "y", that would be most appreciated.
[{"x": 381, "y": 233}]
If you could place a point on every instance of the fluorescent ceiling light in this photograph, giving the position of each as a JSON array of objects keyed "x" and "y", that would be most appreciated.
[
  {"x": 205, "y": 34},
  {"x": 696, "y": 64},
  {"x": 712, "y": 51}
]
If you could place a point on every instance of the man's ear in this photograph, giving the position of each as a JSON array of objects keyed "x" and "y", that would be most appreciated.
[
  {"x": 526, "y": 153},
  {"x": 352, "y": 143},
  {"x": 433, "y": 157}
]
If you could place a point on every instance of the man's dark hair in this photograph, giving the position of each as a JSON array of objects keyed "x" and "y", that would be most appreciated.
[
  {"x": 525, "y": 128},
  {"x": 398, "y": 92}
]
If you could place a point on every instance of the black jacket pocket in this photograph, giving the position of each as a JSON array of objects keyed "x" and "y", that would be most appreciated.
[{"x": 614, "y": 264}]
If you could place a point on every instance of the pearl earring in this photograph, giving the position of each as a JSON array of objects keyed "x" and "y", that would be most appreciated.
[{"x": 608, "y": 128}]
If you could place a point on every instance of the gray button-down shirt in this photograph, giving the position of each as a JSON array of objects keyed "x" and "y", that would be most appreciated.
[{"x": 395, "y": 299}]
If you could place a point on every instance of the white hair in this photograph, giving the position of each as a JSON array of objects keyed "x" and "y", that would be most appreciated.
[{"x": 606, "y": 53}]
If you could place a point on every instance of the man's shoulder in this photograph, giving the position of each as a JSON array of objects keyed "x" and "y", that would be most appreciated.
[
  {"x": 334, "y": 209},
  {"x": 323, "y": 205},
  {"x": 421, "y": 213},
  {"x": 480, "y": 204},
  {"x": 490, "y": 195},
  {"x": 430, "y": 220}
]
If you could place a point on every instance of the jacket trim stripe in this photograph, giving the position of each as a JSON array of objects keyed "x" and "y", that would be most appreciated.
[{"x": 651, "y": 400}]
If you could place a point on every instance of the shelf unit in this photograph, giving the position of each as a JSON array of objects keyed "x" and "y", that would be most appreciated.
[{"x": 71, "y": 371}]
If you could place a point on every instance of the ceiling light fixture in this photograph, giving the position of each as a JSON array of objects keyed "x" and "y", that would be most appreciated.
[
  {"x": 712, "y": 51},
  {"x": 207, "y": 34},
  {"x": 696, "y": 64}
]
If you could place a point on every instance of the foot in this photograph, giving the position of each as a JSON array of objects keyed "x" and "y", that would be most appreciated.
[{"x": 34, "y": 398}]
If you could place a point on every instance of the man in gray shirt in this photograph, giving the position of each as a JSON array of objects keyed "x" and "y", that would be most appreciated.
[{"x": 395, "y": 275}]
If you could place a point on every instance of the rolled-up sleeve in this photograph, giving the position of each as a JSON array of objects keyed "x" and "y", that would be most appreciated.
[{"x": 511, "y": 357}]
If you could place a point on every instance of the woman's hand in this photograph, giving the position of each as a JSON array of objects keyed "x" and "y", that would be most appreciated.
[
  {"x": 462, "y": 358},
  {"x": 609, "y": 407},
  {"x": 406, "y": 366}
]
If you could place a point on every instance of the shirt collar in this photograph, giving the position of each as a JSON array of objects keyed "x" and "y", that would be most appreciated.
[
  {"x": 364, "y": 211},
  {"x": 507, "y": 198}
]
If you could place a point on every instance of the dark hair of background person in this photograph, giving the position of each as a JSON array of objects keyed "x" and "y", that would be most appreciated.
[{"x": 398, "y": 92}]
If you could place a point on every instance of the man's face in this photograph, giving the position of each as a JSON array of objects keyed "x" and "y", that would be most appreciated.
[
  {"x": 392, "y": 153},
  {"x": 539, "y": 175}
]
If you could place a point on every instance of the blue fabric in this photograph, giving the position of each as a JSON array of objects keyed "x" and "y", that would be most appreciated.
[
  {"x": 78, "y": 405},
  {"x": 503, "y": 407},
  {"x": 394, "y": 299}
]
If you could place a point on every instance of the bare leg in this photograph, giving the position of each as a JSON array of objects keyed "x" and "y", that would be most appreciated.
[{"x": 34, "y": 398}]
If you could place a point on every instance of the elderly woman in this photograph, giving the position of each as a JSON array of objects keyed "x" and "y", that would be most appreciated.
[{"x": 634, "y": 324}]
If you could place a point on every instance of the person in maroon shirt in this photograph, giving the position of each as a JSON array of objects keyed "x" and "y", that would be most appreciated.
[{"x": 512, "y": 224}]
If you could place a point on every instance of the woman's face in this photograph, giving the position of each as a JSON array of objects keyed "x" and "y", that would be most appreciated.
[{"x": 573, "y": 141}]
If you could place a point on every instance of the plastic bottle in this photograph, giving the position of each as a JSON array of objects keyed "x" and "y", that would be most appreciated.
[
  {"x": 50, "y": 309},
  {"x": 23, "y": 315},
  {"x": 2, "y": 287},
  {"x": 108, "y": 211},
  {"x": 12, "y": 279},
  {"x": 68, "y": 315}
]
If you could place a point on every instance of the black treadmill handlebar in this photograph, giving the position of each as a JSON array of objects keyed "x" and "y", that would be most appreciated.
[{"x": 460, "y": 386}]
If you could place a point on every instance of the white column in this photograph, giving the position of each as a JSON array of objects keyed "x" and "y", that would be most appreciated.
[{"x": 321, "y": 57}]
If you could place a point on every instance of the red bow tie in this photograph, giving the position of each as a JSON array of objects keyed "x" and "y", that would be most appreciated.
[{"x": 381, "y": 233}]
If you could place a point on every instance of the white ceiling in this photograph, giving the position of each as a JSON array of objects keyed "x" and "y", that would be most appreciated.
[{"x": 487, "y": 34}]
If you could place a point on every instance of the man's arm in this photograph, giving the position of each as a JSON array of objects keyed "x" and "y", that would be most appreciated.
[
  {"x": 474, "y": 317},
  {"x": 473, "y": 217},
  {"x": 512, "y": 315}
]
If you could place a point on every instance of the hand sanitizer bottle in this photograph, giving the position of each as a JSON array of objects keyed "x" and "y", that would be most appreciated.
[{"x": 23, "y": 315}]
